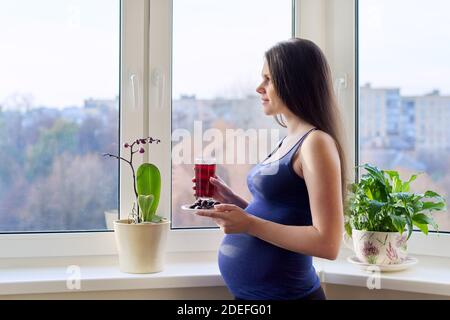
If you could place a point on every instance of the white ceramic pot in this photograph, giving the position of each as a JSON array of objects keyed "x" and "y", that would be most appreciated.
[
  {"x": 379, "y": 247},
  {"x": 141, "y": 246}
]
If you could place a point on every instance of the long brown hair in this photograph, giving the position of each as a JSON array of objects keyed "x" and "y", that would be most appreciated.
[{"x": 302, "y": 79}]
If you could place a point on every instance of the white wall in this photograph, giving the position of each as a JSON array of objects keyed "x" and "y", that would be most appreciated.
[
  {"x": 340, "y": 292},
  {"x": 209, "y": 293},
  {"x": 333, "y": 292}
]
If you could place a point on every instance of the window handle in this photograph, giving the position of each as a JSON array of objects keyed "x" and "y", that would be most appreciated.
[
  {"x": 134, "y": 80},
  {"x": 341, "y": 83}
]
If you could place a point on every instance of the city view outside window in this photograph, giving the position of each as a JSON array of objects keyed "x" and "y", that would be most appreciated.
[
  {"x": 59, "y": 89},
  {"x": 404, "y": 106},
  {"x": 218, "y": 54}
]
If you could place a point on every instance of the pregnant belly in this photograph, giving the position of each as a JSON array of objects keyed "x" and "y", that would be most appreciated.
[{"x": 248, "y": 261}]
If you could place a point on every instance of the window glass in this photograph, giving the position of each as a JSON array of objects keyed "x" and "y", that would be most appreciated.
[
  {"x": 59, "y": 89},
  {"x": 405, "y": 92},
  {"x": 218, "y": 54}
]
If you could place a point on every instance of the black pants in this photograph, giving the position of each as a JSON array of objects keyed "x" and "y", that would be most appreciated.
[
  {"x": 318, "y": 294},
  {"x": 315, "y": 295}
]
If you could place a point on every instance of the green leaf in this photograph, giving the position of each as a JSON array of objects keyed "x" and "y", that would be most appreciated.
[
  {"x": 396, "y": 181},
  {"x": 368, "y": 193},
  {"x": 376, "y": 204},
  {"x": 433, "y": 206},
  {"x": 406, "y": 185},
  {"x": 409, "y": 209},
  {"x": 148, "y": 181},
  {"x": 406, "y": 196},
  {"x": 397, "y": 185},
  {"x": 392, "y": 174},
  {"x": 421, "y": 218},
  {"x": 424, "y": 219},
  {"x": 145, "y": 204},
  {"x": 348, "y": 229},
  {"x": 432, "y": 194},
  {"x": 156, "y": 219},
  {"x": 418, "y": 206},
  {"x": 422, "y": 227},
  {"x": 409, "y": 223},
  {"x": 375, "y": 173},
  {"x": 399, "y": 223}
]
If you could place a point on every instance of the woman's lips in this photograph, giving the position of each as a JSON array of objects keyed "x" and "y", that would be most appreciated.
[{"x": 264, "y": 101}]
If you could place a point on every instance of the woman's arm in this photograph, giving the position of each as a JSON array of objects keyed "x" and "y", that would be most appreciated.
[
  {"x": 224, "y": 194},
  {"x": 240, "y": 202},
  {"x": 321, "y": 171}
]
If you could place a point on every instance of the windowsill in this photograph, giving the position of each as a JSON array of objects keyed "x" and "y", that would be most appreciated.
[
  {"x": 101, "y": 273},
  {"x": 431, "y": 275}
]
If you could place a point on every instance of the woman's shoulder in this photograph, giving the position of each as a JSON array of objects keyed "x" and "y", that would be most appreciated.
[
  {"x": 318, "y": 144},
  {"x": 318, "y": 137},
  {"x": 317, "y": 152}
]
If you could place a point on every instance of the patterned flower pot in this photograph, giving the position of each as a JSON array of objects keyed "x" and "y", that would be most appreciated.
[{"x": 379, "y": 247}]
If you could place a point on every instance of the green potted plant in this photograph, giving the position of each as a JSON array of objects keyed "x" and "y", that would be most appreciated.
[
  {"x": 141, "y": 239},
  {"x": 381, "y": 212}
]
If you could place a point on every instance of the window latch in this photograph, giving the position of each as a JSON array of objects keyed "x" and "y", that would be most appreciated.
[{"x": 134, "y": 80}]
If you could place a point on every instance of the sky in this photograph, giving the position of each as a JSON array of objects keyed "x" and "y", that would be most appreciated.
[
  {"x": 60, "y": 57},
  {"x": 405, "y": 44},
  {"x": 228, "y": 37},
  {"x": 59, "y": 52}
]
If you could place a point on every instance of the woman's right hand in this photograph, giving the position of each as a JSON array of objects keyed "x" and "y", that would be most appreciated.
[{"x": 222, "y": 192}]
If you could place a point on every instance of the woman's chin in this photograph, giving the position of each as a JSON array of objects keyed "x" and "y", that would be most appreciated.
[{"x": 267, "y": 111}]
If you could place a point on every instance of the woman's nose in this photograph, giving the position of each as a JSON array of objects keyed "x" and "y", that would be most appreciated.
[{"x": 260, "y": 89}]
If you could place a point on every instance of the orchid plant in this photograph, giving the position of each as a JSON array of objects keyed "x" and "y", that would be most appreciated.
[{"x": 146, "y": 182}]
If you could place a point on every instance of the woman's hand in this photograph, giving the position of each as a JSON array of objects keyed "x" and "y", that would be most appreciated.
[
  {"x": 230, "y": 218},
  {"x": 222, "y": 192}
]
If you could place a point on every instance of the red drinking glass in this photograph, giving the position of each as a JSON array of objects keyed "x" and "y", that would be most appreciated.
[{"x": 204, "y": 168}]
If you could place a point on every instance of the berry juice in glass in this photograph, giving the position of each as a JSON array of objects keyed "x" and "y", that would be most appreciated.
[{"x": 204, "y": 168}]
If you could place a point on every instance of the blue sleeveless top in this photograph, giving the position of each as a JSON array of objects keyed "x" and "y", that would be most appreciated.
[{"x": 254, "y": 269}]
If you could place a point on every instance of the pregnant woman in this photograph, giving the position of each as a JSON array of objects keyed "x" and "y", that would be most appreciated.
[{"x": 296, "y": 212}]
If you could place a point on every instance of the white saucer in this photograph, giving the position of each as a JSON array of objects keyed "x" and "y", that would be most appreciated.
[
  {"x": 185, "y": 207},
  {"x": 409, "y": 262}
]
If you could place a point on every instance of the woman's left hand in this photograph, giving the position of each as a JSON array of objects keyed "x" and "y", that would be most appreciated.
[{"x": 229, "y": 217}]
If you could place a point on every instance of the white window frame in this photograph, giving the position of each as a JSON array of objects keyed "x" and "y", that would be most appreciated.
[{"x": 146, "y": 110}]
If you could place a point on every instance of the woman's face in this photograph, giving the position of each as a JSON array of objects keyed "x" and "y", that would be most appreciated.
[{"x": 271, "y": 102}]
